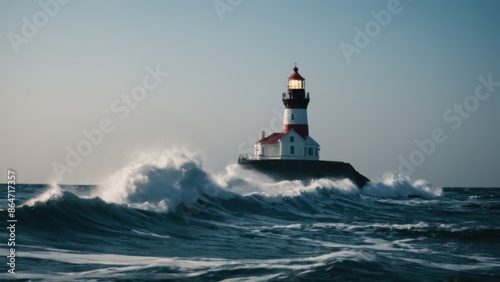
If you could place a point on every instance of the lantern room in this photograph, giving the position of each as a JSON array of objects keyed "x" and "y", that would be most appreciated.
[{"x": 296, "y": 81}]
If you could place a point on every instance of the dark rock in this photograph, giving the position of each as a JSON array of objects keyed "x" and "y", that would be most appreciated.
[{"x": 305, "y": 170}]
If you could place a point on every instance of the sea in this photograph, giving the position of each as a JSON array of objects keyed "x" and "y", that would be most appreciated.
[{"x": 164, "y": 217}]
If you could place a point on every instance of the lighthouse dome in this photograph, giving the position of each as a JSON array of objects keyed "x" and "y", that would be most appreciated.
[
  {"x": 296, "y": 81},
  {"x": 295, "y": 75}
]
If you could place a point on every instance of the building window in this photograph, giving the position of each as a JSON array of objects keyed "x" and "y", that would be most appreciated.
[
  {"x": 291, "y": 139},
  {"x": 295, "y": 84},
  {"x": 292, "y": 150},
  {"x": 317, "y": 152},
  {"x": 310, "y": 151},
  {"x": 293, "y": 116}
]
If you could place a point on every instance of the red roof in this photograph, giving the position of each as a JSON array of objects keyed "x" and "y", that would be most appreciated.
[
  {"x": 295, "y": 75},
  {"x": 272, "y": 139}
]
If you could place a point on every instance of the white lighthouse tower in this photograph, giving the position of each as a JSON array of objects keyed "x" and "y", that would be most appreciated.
[{"x": 294, "y": 142}]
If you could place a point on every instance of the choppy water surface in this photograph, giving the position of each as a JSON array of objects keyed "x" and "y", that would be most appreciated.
[{"x": 164, "y": 217}]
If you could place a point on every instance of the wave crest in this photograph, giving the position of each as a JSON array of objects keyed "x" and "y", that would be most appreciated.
[
  {"x": 394, "y": 185},
  {"x": 163, "y": 181},
  {"x": 158, "y": 181},
  {"x": 53, "y": 192}
]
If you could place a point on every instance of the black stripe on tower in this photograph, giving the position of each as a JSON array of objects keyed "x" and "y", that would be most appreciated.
[{"x": 296, "y": 99}]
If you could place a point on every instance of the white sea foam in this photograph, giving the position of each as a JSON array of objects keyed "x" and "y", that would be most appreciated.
[
  {"x": 158, "y": 181},
  {"x": 148, "y": 233},
  {"x": 113, "y": 265},
  {"x": 246, "y": 182},
  {"x": 161, "y": 180},
  {"x": 52, "y": 192},
  {"x": 363, "y": 226},
  {"x": 394, "y": 185}
]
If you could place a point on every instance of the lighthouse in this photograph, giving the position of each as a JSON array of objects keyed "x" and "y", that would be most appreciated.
[
  {"x": 293, "y": 154},
  {"x": 294, "y": 142}
]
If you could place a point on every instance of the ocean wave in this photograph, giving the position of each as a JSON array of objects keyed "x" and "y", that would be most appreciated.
[
  {"x": 165, "y": 217},
  {"x": 394, "y": 185},
  {"x": 174, "y": 181},
  {"x": 114, "y": 266},
  {"x": 53, "y": 191}
]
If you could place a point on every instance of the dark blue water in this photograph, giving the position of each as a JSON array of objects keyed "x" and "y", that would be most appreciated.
[{"x": 166, "y": 218}]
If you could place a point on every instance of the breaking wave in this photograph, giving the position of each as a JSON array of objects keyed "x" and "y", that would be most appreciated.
[
  {"x": 239, "y": 223},
  {"x": 161, "y": 181}
]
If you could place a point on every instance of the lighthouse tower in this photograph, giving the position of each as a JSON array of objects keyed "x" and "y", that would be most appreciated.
[
  {"x": 296, "y": 101},
  {"x": 294, "y": 141}
]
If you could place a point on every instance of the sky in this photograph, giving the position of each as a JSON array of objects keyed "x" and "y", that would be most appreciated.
[{"x": 406, "y": 86}]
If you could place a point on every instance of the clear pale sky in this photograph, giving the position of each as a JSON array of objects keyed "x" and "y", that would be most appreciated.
[{"x": 228, "y": 62}]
